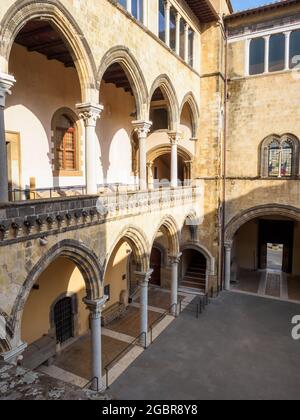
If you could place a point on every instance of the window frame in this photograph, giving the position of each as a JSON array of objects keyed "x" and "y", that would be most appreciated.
[
  {"x": 265, "y": 156},
  {"x": 77, "y": 132}
]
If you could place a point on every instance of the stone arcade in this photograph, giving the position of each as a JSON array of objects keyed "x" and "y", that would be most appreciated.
[{"x": 179, "y": 120}]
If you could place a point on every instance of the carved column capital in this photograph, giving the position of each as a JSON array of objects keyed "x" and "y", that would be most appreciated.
[
  {"x": 174, "y": 137},
  {"x": 6, "y": 83},
  {"x": 90, "y": 113},
  {"x": 144, "y": 278},
  {"x": 175, "y": 259},
  {"x": 96, "y": 306},
  {"x": 167, "y": 4},
  {"x": 228, "y": 245},
  {"x": 142, "y": 128}
]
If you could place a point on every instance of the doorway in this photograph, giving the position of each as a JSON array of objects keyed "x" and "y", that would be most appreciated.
[
  {"x": 276, "y": 238},
  {"x": 63, "y": 320},
  {"x": 155, "y": 264},
  {"x": 275, "y": 256}
]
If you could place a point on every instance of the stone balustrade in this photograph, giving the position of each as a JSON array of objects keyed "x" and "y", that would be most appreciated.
[{"x": 31, "y": 219}]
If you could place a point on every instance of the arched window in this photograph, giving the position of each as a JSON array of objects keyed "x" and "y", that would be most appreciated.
[
  {"x": 67, "y": 159},
  {"x": 65, "y": 144},
  {"x": 280, "y": 157}
]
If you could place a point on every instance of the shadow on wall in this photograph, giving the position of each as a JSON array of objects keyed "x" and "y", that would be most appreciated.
[{"x": 37, "y": 95}]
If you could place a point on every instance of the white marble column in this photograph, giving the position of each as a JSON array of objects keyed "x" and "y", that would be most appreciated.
[
  {"x": 287, "y": 50},
  {"x": 267, "y": 50},
  {"x": 186, "y": 42},
  {"x": 96, "y": 307},
  {"x": 228, "y": 248},
  {"x": 150, "y": 175},
  {"x": 90, "y": 114},
  {"x": 6, "y": 83},
  {"x": 142, "y": 129},
  {"x": 174, "y": 261},
  {"x": 247, "y": 57},
  {"x": 174, "y": 137},
  {"x": 143, "y": 280},
  {"x": 145, "y": 12},
  {"x": 167, "y": 22},
  {"x": 177, "y": 47},
  {"x": 129, "y": 6}
]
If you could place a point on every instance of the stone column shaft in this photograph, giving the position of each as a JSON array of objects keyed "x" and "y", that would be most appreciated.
[
  {"x": 228, "y": 247},
  {"x": 178, "y": 18},
  {"x": 186, "y": 42},
  {"x": 174, "y": 260},
  {"x": 129, "y": 6},
  {"x": 287, "y": 50},
  {"x": 96, "y": 308},
  {"x": 90, "y": 114},
  {"x": 267, "y": 49},
  {"x": 167, "y": 22},
  {"x": 144, "y": 279},
  {"x": 174, "y": 139},
  {"x": 6, "y": 83}
]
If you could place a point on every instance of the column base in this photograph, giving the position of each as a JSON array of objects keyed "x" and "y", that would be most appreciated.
[{"x": 13, "y": 355}]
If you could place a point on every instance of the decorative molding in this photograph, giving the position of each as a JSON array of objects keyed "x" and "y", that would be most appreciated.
[{"x": 89, "y": 113}]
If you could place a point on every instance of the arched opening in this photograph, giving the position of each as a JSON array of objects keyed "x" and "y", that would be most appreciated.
[
  {"x": 117, "y": 138},
  {"x": 194, "y": 270},
  {"x": 156, "y": 265},
  {"x": 162, "y": 170},
  {"x": 54, "y": 313},
  {"x": 119, "y": 281},
  {"x": 165, "y": 244},
  {"x": 48, "y": 82},
  {"x": 159, "y": 166},
  {"x": 264, "y": 252}
]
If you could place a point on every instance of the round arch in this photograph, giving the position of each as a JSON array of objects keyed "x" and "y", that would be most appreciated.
[
  {"x": 139, "y": 245},
  {"x": 189, "y": 99},
  {"x": 256, "y": 212},
  {"x": 164, "y": 83},
  {"x": 83, "y": 258},
  {"x": 164, "y": 149},
  {"x": 125, "y": 58},
  {"x": 53, "y": 11},
  {"x": 172, "y": 230}
]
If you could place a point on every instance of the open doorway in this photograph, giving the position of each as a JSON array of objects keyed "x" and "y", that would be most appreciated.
[{"x": 275, "y": 257}]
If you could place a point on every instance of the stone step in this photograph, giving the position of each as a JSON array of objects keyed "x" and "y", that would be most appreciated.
[
  {"x": 196, "y": 285},
  {"x": 197, "y": 278}
]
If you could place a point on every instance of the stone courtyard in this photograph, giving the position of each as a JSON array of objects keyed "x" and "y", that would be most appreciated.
[{"x": 240, "y": 348}]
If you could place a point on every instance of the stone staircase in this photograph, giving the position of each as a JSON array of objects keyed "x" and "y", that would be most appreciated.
[{"x": 195, "y": 276}]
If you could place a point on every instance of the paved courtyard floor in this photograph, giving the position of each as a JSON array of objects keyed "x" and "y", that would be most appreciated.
[
  {"x": 73, "y": 365},
  {"x": 269, "y": 283},
  {"x": 240, "y": 348}
]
